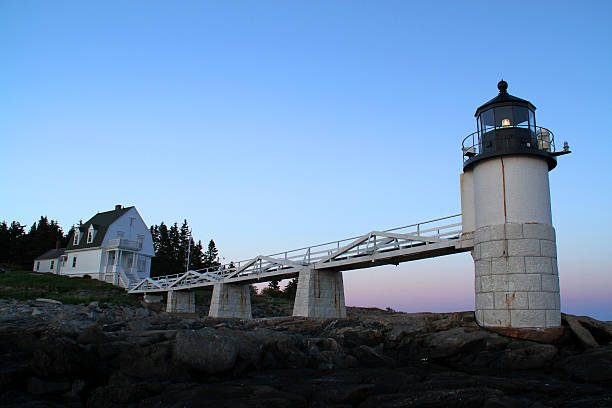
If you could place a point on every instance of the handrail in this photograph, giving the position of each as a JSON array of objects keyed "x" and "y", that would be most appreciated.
[
  {"x": 545, "y": 140},
  {"x": 317, "y": 253}
]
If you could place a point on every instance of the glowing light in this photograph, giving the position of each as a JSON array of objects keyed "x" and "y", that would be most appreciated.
[{"x": 505, "y": 122}]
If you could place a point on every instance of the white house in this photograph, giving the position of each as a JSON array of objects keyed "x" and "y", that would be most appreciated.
[
  {"x": 113, "y": 246},
  {"x": 50, "y": 261}
]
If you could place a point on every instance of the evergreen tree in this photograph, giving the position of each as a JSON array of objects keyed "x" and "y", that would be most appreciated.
[
  {"x": 16, "y": 244},
  {"x": 273, "y": 289},
  {"x": 155, "y": 236},
  {"x": 171, "y": 246},
  {"x": 211, "y": 256},
  {"x": 176, "y": 257},
  {"x": 291, "y": 289},
  {"x": 162, "y": 262},
  {"x": 4, "y": 243},
  {"x": 196, "y": 259},
  {"x": 183, "y": 245}
]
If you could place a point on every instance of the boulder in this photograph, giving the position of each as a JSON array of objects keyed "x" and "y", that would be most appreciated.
[
  {"x": 223, "y": 395},
  {"x": 584, "y": 336},
  {"x": 357, "y": 336},
  {"x": 92, "y": 335},
  {"x": 594, "y": 365},
  {"x": 450, "y": 342},
  {"x": 205, "y": 350},
  {"x": 371, "y": 357},
  {"x": 37, "y": 386},
  {"x": 526, "y": 355}
]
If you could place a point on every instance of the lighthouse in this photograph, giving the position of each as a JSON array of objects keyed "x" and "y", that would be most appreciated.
[{"x": 505, "y": 203}]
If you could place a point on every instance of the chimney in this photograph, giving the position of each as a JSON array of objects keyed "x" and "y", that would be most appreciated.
[{"x": 118, "y": 207}]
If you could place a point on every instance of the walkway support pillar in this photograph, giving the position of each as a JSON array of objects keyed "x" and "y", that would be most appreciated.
[
  {"x": 320, "y": 295},
  {"x": 180, "y": 301},
  {"x": 231, "y": 300}
]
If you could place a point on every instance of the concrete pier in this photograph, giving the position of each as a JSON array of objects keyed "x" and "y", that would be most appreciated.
[
  {"x": 320, "y": 295},
  {"x": 180, "y": 301},
  {"x": 231, "y": 300}
]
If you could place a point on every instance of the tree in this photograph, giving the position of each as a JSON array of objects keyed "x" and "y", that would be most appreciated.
[
  {"x": 196, "y": 259},
  {"x": 273, "y": 289},
  {"x": 171, "y": 247},
  {"x": 211, "y": 255},
  {"x": 291, "y": 289},
  {"x": 183, "y": 245}
]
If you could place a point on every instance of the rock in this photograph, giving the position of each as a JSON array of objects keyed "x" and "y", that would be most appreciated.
[
  {"x": 18, "y": 399},
  {"x": 92, "y": 335},
  {"x": 52, "y": 301},
  {"x": 599, "y": 330},
  {"x": 12, "y": 372},
  {"x": 549, "y": 335},
  {"x": 469, "y": 397},
  {"x": 93, "y": 305},
  {"x": 583, "y": 335},
  {"x": 226, "y": 396},
  {"x": 594, "y": 365},
  {"x": 205, "y": 350},
  {"x": 371, "y": 357},
  {"x": 350, "y": 394},
  {"x": 61, "y": 356},
  {"x": 450, "y": 342},
  {"x": 525, "y": 356},
  {"x": 357, "y": 336},
  {"x": 37, "y": 386},
  {"x": 36, "y": 312},
  {"x": 139, "y": 325}
]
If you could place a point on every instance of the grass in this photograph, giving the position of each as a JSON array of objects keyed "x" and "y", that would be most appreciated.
[{"x": 26, "y": 285}]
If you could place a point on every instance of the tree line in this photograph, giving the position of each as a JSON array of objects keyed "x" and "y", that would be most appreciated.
[
  {"x": 172, "y": 248},
  {"x": 18, "y": 249}
]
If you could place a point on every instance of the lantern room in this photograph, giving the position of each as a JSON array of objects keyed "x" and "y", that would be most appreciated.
[{"x": 506, "y": 125}]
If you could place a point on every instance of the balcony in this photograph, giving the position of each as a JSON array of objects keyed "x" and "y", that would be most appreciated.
[{"x": 121, "y": 243}]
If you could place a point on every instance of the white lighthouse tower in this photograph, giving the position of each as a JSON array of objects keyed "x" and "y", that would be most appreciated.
[{"x": 505, "y": 200}]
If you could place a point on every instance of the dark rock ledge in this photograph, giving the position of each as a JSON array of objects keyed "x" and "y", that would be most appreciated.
[{"x": 64, "y": 355}]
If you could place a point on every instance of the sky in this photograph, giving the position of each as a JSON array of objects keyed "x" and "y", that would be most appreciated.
[{"x": 273, "y": 125}]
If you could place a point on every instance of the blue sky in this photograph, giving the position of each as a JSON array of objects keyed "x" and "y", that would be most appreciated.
[{"x": 271, "y": 125}]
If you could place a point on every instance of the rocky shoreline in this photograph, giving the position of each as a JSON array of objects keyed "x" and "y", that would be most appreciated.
[{"x": 73, "y": 355}]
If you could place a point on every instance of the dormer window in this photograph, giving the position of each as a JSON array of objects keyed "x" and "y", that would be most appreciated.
[
  {"x": 77, "y": 237},
  {"x": 91, "y": 233}
]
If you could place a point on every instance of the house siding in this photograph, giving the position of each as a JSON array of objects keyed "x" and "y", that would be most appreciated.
[
  {"x": 88, "y": 263},
  {"x": 131, "y": 232}
]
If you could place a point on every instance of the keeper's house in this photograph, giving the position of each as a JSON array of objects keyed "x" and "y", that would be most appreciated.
[{"x": 113, "y": 246}]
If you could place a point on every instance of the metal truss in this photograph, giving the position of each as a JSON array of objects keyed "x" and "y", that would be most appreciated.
[{"x": 416, "y": 241}]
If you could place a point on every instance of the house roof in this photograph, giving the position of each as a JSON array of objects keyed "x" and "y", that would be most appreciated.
[
  {"x": 101, "y": 222},
  {"x": 51, "y": 254}
]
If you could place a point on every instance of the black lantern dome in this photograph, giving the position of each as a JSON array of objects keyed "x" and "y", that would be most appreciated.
[{"x": 506, "y": 125}]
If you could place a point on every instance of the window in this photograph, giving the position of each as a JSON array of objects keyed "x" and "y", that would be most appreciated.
[
  {"x": 91, "y": 233},
  {"x": 140, "y": 241},
  {"x": 52, "y": 263},
  {"x": 142, "y": 263},
  {"x": 74, "y": 261},
  {"x": 38, "y": 265},
  {"x": 77, "y": 236}
]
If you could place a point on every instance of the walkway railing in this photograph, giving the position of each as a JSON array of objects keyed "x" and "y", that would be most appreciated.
[
  {"x": 543, "y": 139},
  {"x": 388, "y": 246}
]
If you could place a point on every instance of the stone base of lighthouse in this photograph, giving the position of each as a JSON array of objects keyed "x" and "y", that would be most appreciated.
[{"x": 517, "y": 281}]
